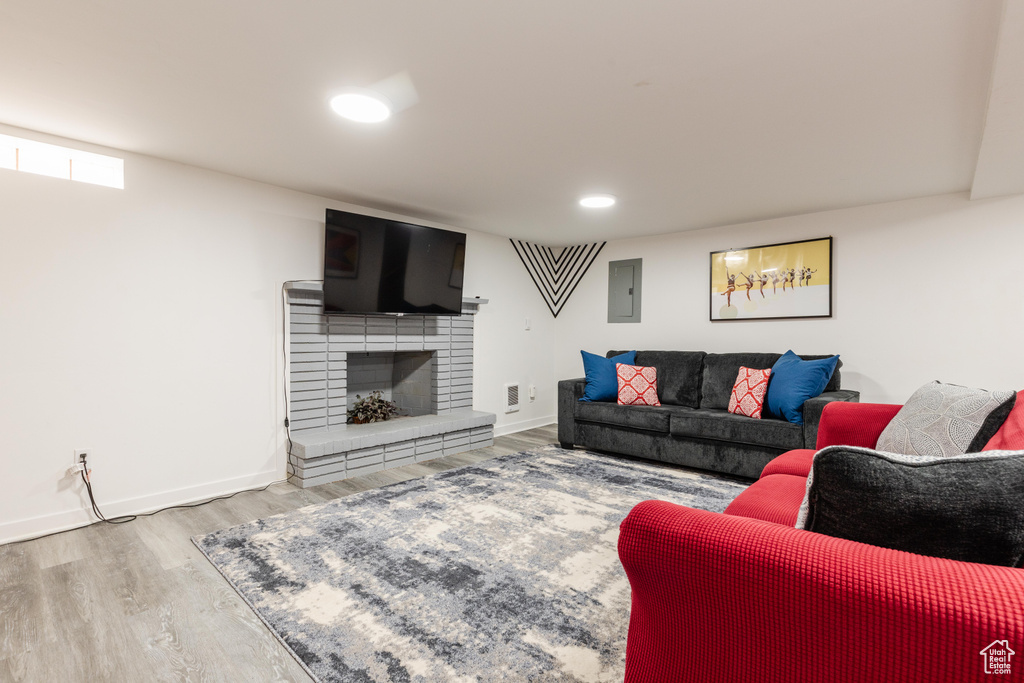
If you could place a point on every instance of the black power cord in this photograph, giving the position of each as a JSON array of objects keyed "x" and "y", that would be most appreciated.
[
  {"x": 92, "y": 500},
  {"x": 124, "y": 519},
  {"x": 130, "y": 518}
]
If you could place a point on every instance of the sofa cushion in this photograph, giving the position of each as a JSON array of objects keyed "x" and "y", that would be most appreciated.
[
  {"x": 679, "y": 374},
  {"x": 634, "y": 417},
  {"x": 796, "y": 462},
  {"x": 794, "y": 381},
  {"x": 775, "y": 498},
  {"x": 602, "y": 384},
  {"x": 966, "y": 507},
  {"x": 946, "y": 419},
  {"x": 724, "y": 426}
]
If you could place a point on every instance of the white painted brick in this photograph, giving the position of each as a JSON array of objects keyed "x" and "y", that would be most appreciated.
[
  {"x": 307, "y": 327},
  {"x": 347, "y": 346},
  {"x": 309, "y": 372},
  {"x": 309, "y": 395},
  {"x": 312, "y": 423},
  {"x": 305, "y": 318}
]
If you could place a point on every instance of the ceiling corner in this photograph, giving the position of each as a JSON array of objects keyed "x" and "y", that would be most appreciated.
[{"x": 1000, "y": 165}]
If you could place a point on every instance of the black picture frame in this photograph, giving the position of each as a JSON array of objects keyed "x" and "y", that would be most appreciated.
[{"x": 781, "y": 281}]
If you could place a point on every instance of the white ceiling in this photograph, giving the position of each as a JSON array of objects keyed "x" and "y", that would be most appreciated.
[{"x": 695, "y": 114}]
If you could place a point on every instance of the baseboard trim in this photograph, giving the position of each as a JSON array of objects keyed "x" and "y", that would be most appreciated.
[
  {"x": 72, "y": 519},
  {"x": 514, "y": 427}
]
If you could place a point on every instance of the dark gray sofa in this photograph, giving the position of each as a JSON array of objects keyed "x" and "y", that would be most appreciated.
[{"x": 693, "y": 426}]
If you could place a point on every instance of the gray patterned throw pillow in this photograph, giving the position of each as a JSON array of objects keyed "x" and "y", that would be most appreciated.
[{"x": 946, "y": 419}]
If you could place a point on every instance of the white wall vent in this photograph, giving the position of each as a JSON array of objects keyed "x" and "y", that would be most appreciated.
[{"x": 511, "y": 398}]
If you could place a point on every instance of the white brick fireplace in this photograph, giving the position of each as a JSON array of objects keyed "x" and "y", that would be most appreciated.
[{"x": 422, "y": 362}]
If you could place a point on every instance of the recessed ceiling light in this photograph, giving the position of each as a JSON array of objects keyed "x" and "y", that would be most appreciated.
[
  {"x": 597, "y": 201},
  {"x": 364, "y": 107}
]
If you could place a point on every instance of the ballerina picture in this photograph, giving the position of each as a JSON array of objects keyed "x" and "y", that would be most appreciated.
[{"x": 799, "y": 274}]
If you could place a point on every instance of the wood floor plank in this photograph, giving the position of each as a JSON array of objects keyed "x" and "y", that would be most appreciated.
[
  {"x": 174, "y": 651},
  {"x": 162, "y": 536},
  {"x": 74, "y": 607},
  {"x": 58, "y": 549},
  {"x": 15, "y": 562},
  {"x": 139, "y": 602},
  {"x": 417, "y": 470},
  {"x": 253, "y": 649},
  {"x": 18, "y": 619},
  {"x": 297, "y": 497},
  {"x": 123, "y": 567}
]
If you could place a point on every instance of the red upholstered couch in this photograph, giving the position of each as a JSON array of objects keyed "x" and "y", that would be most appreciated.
[{"x": 745, "y": 597}]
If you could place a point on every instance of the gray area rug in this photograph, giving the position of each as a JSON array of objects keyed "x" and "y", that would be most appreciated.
[{"x": 505, "y": 570}]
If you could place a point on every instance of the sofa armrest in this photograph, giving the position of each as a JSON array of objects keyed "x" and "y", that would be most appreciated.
[
  {"x": 721, "y": 598},
  {"x": 812, "y": 411},
  {"x": 854, "y": 424},
  {"x": 569, "y": 392}
]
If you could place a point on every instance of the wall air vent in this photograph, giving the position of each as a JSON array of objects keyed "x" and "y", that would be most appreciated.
[{"x": 511, "y": 398}]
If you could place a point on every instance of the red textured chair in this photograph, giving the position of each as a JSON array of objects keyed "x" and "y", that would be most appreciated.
[
  {"x": 731, "y": 598},
  {"x": 776, "y": 496}
]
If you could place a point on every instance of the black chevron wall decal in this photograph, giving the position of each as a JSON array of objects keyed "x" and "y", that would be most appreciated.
[{"x": 556, "y": 271}]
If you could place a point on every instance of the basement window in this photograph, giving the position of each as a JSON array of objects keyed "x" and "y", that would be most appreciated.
[{"x": 55, "y": 161}]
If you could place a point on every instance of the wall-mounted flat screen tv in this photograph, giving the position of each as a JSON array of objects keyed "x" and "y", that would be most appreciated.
[{"x": 376, "y": 265}]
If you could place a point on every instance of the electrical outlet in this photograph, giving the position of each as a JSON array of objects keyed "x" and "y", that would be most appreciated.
[
  {"x": 81, "y": 454},
  {"x": 533, "y": 392},
  {"x": 76, "y": 465}
]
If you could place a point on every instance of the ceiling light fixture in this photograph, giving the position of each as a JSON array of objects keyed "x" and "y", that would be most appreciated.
[
  {"x": 597, "y": 201},
  {"x": 362, "y": 106}
]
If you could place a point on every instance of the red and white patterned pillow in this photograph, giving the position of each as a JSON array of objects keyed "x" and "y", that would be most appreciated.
[
  {"x": 638, "y": 386},
  {"x": 748, "y": 393}
]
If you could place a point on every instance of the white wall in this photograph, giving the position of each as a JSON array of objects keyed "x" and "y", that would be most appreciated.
[
  {"x": 923, "y": 289},
  {"x": 504, "y": 351},
  {"x": 145, "y": 324}
]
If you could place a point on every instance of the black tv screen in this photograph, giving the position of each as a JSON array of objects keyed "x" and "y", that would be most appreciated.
[{"x": 376, "y": 265}]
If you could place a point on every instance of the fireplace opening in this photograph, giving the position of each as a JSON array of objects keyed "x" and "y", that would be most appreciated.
[{"x": 405, "y": 377}]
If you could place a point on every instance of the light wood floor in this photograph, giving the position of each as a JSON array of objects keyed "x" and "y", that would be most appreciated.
[{"x": 138, "y": 602}]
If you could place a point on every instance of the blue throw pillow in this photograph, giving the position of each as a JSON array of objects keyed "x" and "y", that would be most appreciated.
[
  {"x": 795, "y": 380},
  {"x": 602, "y": 382}
]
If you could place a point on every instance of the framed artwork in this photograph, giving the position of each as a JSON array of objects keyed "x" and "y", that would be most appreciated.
[{"x": 788, "y": 280}]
